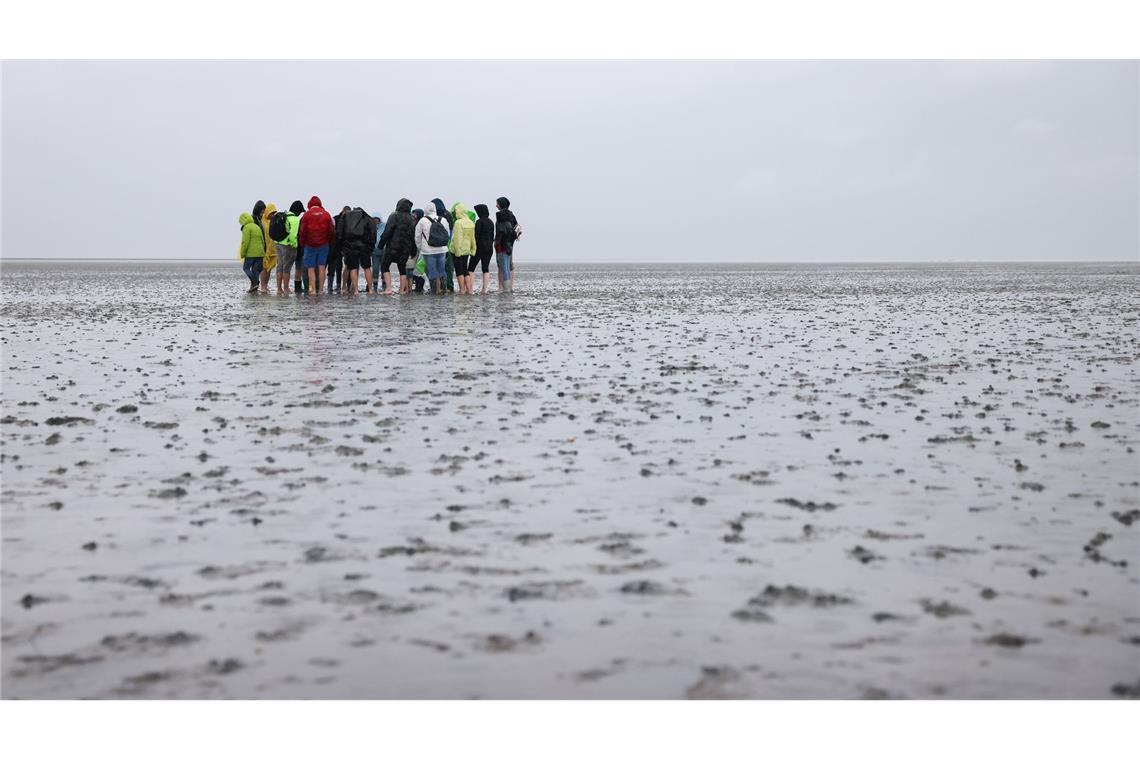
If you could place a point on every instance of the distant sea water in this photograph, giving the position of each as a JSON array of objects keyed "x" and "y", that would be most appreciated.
[{"x": 666, "y": 481}]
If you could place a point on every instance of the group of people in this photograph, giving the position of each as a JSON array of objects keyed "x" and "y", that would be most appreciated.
[{"x": 435, "y": 248}]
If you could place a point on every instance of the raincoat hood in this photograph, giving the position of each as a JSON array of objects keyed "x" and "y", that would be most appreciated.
[
  {"x": 297, "y": 208},
  {"x": 458, "y": 210},
  {"x": 481, "y": 210},
  {"x": 245, "y": 218},
  {"x": 315, "y": 201},
  {"x": 404, "y": 206},
  {"x": 430, "y": 211},
  {"x": 270, "y": 209},
  {"x": 439, "y": 207}
]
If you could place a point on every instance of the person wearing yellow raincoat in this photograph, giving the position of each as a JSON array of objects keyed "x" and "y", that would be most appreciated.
[
  {"x": 462, "y": 247},
  {"x": 270, "y": 247}
]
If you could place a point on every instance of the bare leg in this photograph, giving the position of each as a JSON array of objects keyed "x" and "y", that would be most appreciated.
[
  {"x": 265, "y": 280},
  {"x": 386, "y": 277},
  {"x": 486, "y": 281},
  {"x": 313, "y": 280},
  {"x": 368, "y": 280}
]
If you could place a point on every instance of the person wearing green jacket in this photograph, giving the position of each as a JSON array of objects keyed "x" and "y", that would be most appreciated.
[
  {"x": 287, "y": 252},
  {"x": 462, "y": 248},
  {"x": 252, "y": 249},
  {"x": 300, "y": 276}
]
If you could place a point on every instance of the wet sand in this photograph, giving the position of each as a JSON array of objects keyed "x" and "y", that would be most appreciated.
[{"x": 704, "y": 482}]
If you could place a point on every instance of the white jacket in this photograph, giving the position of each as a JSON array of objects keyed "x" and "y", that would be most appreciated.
[{"x": 423, "y": 231}]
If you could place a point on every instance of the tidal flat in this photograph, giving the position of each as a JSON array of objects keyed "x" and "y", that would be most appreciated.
[{"x": 620, "y": 481}]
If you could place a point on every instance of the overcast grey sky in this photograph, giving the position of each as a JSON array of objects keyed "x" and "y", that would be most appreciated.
[{"x": 647, "y": 161}]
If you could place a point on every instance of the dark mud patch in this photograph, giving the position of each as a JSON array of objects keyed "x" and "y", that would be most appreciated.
[{"x": 547, "y": 591}]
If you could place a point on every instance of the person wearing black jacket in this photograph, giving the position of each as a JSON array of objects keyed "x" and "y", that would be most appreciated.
[
  {"x": 356, "y": 249},
  {"x": 484, "y": 243},
  {"x": 336, "y": 261},
  {"x": 398, "y": 242},
  {"x": 506, "y": 230}
]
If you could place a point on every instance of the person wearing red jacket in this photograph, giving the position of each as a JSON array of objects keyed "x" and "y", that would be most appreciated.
[{"x": 314, "y": 236}]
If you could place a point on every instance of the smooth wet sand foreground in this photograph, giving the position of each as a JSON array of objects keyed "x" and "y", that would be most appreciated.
[{"x": 707, "y": 482}]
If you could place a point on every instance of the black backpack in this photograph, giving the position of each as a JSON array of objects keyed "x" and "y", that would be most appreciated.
[
  {"x": 356, "y": 226},
  {"x": 438, "y": 234},
  {"x": 278, "y": 227}
]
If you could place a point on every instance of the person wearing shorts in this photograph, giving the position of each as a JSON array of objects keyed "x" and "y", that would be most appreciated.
[
  {"x": 286, "y": 260},
  {"x": 386, "y": 263},
  {"x": 287, "y": 251},
  {"x": 357, "y": 235},
  {"x": 315, "y": 234},
  {"x": 484, "y": 244},
  {"x": 317, "y": 257}
]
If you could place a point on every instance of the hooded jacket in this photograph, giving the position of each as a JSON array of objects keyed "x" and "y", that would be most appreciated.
[
  {"x": 442, "y": 211},
  {"x": 423, "y": 230},
  {"x": 484, "y": 231},
  {"x": 504, "y": 242},
  {"x": 399, "y": 234},
  {"x": 316, "y": 226},
  {"x": 462, "y": 232},
  {"x": 292, "y": 227},
  {"x": 356, "y": 246},
  {"x": 252, "y": 241},
  {"x": 270, "y": 243}
]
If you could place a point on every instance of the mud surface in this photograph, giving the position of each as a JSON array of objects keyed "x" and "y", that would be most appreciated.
[{"x": 712, "y": 482}]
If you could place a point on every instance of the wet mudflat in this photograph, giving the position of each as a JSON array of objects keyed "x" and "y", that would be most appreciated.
[{"x": 705, "y": 482}]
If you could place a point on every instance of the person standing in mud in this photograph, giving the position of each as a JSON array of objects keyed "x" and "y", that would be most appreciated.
[
  {"x": 398, "y": 241},
  {"x": 416, "y": 262},
  {"x": 356, "y": 236},
  {"x": 270, "y": 246},
  {"x": 432, "y": 236},
  {"x": 296, "y": 211},
  {"x": 314, "y": 235},
  {"x": 484, "y": 243},
  {"x": 336, "y": 256},
  {"x": 449, "y": 259},
  {"x": 258, "y": 213},
  {"x": 252, "y": 249},
  {"x": 506, "y": 232},
  {"x": 377, "y": 253},
  {"x": 461, "y": 248}
]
